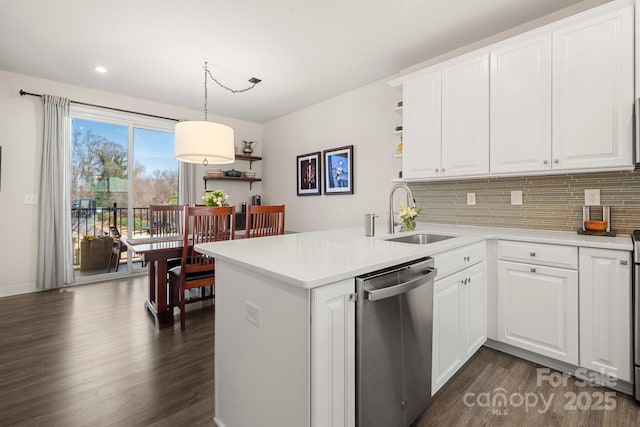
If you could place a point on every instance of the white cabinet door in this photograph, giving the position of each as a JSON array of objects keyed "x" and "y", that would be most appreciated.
[
  {"x": 521, "y": 106},
  {"x": 465, "y": 117},
  {"x": 333, "y": 355},
  {"x": 447, "y": 324},
  {"x": 421, "y": 127},
  {"x": 593, "y": 92},
  {"x": 538, "y": 309},
  {"x": 474, "y": 296},
  {"x": 459, "y": 321},
  {"x": 605, "y": 311}
]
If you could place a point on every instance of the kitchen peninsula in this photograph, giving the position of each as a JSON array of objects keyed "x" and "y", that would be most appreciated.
[{"x": 285, "y": 316}]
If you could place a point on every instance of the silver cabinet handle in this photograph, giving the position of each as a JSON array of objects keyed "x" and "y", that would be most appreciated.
[
  {"x": 623, "y": 262},
  {"x": 556, "y": 161},
  {"x": 437, "y": 170},
  {"x": 466, "y": 258},
  {"x": 442, "y": 169},
  {"x": 545, "y": 162},
  {"x": 533, "y": 269},
  {"x": 532, "y": 254}
]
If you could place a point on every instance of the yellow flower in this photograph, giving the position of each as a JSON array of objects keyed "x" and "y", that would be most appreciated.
[
  {"x": 215, "y": 198},
  {"x": 408, "y": 212}
]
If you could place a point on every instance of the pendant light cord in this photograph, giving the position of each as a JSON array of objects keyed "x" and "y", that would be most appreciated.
[{"x": 254, "y": 81}]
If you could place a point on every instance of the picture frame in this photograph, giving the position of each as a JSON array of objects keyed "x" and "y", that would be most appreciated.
[
  {"x": 338, "y": 170},
  {"x": 308, "y": 175}
]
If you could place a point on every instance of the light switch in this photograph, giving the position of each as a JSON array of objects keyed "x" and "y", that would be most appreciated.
[
  {"x": 30, "y": 199},
  {"x": 592, "y": 197},
  {"x": 471, "y": 198},
  {"x": 516, "y": 197}
]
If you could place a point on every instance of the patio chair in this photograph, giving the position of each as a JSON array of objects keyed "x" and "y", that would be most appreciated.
[{"x": 117, "y": 249}]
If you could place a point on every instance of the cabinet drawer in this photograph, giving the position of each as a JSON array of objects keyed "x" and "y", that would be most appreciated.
[
  {"x": 539, "y": 253},
  {"x": 457, "y": 259}
]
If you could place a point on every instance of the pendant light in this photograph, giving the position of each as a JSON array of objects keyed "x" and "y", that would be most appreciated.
[{"x": 207, "y": 142}]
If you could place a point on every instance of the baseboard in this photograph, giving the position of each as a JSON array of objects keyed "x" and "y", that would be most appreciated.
[
  {"x": 18, "y": 289},
  {"x": 567, "y": 368},
  {"x": 27, "y": 288}
]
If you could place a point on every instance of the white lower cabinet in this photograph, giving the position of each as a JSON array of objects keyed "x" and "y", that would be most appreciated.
[
  {"x": 605, "y": 311},
  {"x": 538, "y": 309},
  {"x": 459, "y": 321},
  {"x": 333, "y": 355}
]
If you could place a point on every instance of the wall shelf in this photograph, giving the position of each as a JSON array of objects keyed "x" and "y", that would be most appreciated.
[
  {"x": 230, "y": 178},
  {"x": 250, "y": 159}
]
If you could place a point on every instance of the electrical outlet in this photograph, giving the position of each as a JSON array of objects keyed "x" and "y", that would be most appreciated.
[
  {"x": 592, "y": 197},
  {"x": 516, "y": 197},
  {"x": 471, "y": 198},
  {"x": 252, "y": 313}
]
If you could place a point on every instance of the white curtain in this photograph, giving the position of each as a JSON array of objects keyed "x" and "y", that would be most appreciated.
[
  {"x": 55, "y": 248},
  {"x": 187, "y": 184}
]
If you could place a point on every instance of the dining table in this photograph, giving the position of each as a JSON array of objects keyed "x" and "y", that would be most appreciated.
[{"x": 156, "y": 251}]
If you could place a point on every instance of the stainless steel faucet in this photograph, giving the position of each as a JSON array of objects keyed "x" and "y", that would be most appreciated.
[{"x": 410, "y": 202}]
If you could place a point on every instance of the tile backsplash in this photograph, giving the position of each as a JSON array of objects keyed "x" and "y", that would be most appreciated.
[{"x": 551, "y": 202}]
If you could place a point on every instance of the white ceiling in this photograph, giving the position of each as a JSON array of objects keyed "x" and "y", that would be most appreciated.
[{"x": 304, "y": 51}]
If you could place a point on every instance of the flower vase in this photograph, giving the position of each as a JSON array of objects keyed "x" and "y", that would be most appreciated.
[{"x": 409, "y": 224}]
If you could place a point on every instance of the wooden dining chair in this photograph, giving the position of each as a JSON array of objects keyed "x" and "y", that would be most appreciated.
[
  {"x": 201, "y": 225},
  {"x": 163, "y": 221},
  {"x": 166, "y": 219},
  {"x": 264, "y": 221}
]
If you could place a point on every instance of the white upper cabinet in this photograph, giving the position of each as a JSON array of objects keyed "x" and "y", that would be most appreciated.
[
  {"x": 446, "y": 121},
  {"x": 556, "y": 99},
  {"x": 593, "y": 92},
  {"x": 521, "y": 106},
  {"x": 465, "y": 117},
  {"x": 421, "y": 127}
]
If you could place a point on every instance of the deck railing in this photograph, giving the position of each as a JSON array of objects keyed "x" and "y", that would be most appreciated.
[{"x": 96, "y": 222}]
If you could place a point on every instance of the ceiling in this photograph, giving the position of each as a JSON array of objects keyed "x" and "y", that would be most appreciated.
[{"x": 304, "y": 51}]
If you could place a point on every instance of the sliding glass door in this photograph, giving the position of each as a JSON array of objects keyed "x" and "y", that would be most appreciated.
[{"x": 121, "y": 164}]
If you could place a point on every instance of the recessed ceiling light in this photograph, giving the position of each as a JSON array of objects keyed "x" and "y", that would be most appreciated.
[{"x": 100, "y": 69}]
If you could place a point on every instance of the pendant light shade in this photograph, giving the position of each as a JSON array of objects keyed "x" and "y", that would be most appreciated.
[
  {"x": 204, "y": 142},
  {"x": 207, "y": 142}
]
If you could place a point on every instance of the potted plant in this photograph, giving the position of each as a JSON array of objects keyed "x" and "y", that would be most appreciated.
[
  {"x": 215, "y": 198},
  {"x": 95, "y": 252},
  {"x": 408, "y": 216}
]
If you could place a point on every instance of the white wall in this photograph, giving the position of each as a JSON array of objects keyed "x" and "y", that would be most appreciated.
[
  {"x": 363, "y": 118},
  {"x": 21, "y": 130}
]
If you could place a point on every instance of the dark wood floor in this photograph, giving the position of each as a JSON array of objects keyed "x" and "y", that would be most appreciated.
[
  {"x": 90, "y": 356},
  {"x": 469, "y": 398}
]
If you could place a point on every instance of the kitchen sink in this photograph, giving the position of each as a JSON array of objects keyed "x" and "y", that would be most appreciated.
[{"x": 420, "y": 239}]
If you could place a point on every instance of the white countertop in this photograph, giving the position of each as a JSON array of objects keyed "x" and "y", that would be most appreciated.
[{"x": 312, "y": 259}]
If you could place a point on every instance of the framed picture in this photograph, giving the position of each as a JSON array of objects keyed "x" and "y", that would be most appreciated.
[
  {"x": 308, "y": 176},
  {"x": 338, "y": 170}
]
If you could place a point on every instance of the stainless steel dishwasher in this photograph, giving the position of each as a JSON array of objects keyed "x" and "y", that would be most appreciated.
[{"x": 393, "y": 344}]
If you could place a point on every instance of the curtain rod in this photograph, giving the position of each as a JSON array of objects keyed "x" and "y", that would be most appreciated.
[{"x": 23, "y": 93}]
